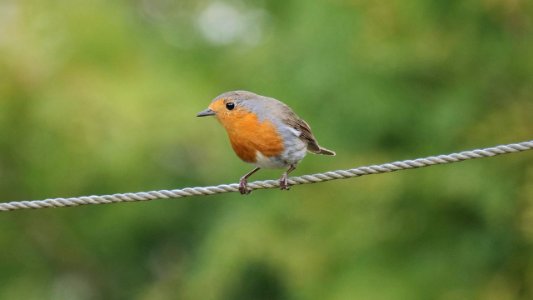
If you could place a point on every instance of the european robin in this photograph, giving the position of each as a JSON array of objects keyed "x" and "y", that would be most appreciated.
[{"x": 265, "y": 132}]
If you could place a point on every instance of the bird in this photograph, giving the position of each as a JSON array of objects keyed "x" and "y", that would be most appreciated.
[{"x": 265, "y": 132}]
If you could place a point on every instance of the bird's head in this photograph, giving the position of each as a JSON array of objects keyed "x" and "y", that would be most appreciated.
[{"x": 229, "y": 106}]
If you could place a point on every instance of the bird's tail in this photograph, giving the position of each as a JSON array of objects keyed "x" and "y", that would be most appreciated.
[{"x": 324, "y": 151}]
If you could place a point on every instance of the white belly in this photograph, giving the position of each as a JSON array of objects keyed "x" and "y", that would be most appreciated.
[
  {"x": 269, "y": 162},
  {"x": 289, "y": 157}
]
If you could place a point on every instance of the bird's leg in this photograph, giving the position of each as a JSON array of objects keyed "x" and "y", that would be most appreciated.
[
  {"x": 243, "y": 189},
  {"x": 284, "y": 180}
]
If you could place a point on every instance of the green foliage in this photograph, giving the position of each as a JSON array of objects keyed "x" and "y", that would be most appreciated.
[{"x": 99, "y": 97}]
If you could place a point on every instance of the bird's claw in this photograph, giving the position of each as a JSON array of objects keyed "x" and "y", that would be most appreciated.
[
  {"x": 243, "y": 187},
  {"x": 284, "y": 183}
]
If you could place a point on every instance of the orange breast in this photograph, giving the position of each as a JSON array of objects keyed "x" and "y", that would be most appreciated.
[{"x": 247, "y": 136}]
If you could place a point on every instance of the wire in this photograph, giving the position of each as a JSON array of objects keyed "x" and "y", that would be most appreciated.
[{"x": 268, "y": 184}]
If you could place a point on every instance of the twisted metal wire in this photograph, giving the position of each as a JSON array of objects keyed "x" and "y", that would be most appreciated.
[{"x": 268, "y": 184}]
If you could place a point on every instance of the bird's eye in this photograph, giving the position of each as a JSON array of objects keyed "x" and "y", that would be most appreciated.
[{"x": 230, "y": 105}]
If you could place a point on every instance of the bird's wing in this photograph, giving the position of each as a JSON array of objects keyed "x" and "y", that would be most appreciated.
[{"x": 293, "y": 121}]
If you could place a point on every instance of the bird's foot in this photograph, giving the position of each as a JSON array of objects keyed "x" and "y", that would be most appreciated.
[
  {"x": 284, "y": 182},
  {"x": 243, "y": 186}
]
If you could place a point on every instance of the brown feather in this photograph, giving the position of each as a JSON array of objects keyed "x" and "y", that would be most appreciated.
[{"x": 306, "y": 135}]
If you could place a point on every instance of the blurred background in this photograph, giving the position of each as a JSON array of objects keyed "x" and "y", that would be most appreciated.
[{"x": 100, "y": 97}]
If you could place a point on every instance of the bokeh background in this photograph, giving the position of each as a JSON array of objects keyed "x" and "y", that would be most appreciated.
[{"x": 99, "y": 97}]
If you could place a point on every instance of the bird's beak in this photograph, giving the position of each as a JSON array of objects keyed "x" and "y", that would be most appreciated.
[{"x": 205, "y": 113}]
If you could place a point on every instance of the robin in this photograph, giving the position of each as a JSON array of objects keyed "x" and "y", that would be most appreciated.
[{"x": 264, "y": 132}]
